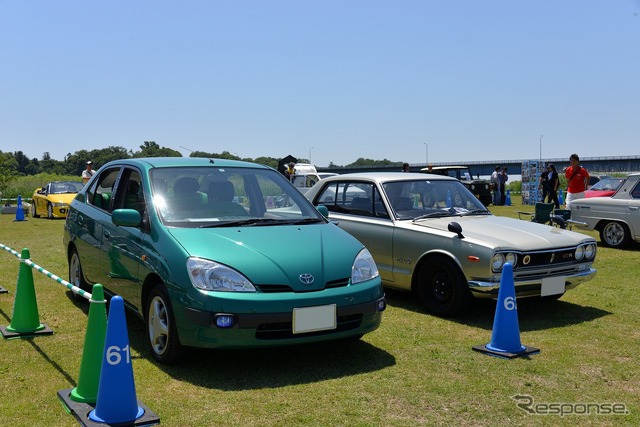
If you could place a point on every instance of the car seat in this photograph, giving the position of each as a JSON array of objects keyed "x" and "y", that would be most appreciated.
[{"x": 220, "y": 196}]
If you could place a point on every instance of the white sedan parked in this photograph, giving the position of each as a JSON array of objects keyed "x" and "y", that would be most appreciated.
[{"x": 617, "y": 218}]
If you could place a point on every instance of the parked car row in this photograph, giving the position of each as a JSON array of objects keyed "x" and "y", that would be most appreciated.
[{"x": 200, "y": 250}]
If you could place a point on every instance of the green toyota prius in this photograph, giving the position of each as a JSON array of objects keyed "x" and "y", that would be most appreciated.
[{"x": 219, "y": 254}]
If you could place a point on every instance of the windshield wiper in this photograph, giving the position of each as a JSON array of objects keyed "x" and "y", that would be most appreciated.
[
  {"x": 434, "y": 214},
  {"x": 477, "y": 211},
  {"x": 306, "y": 221},
  {"x": 261, "y": 222},
  {"x": 242, "y": 223}
]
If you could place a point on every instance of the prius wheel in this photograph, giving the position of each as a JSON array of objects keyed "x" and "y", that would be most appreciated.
[
  {"x": 76, "y": 277},
  {"x": 34, "y": 214},
  {"x": 615, "y": 234},
  {"x": 49, "y": 211},
  {"x": 442, "y": 287},
  {"x": 161, "y": 327}
]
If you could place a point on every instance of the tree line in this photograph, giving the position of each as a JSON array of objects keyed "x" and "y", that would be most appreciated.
[{"x": 17, "y": 164}]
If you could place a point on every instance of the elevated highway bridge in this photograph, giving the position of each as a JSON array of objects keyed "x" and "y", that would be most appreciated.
[{"x": 595, "y": 165}]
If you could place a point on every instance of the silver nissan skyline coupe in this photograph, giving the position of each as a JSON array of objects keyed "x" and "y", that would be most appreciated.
[{"x": 429, "y": 234}]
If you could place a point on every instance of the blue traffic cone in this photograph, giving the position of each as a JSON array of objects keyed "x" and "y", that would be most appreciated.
[
  {"x": 449, "y": 202},
  {"x": 19, "y": 210},
  {"x": 505, "y": 338},
  {"x": 560, "y": 198},
  {"x": 507, "y": 199},
  {"x": 116, "y": 402}
]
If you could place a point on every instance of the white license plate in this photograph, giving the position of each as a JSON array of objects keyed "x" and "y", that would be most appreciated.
[
  {"x": 552, "y": 286},
  {"x": 310, "y": 319}
]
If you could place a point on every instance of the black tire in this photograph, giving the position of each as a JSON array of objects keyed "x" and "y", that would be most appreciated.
[
  {"x": 162, "y": 335},
  {"x": 33, "y": 210},
  {"x": 49, "y": 211},
  {"x": 615, "y": 234},
  {"x": 442, "y": 287},
  {"x": 76, "y": 276}
]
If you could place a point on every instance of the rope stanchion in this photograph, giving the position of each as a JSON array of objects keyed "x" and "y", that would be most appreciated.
[
  {"x": 86, "y": 392},
  {"x": 97, "y": 377},
  {"x": 11, "y": 251},
  {"x": 70, "y": 286},
  {"x": 25, "y": 320}
]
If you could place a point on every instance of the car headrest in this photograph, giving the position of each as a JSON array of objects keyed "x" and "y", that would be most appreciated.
[
  {"x": 220, "y": 191},
  {"x": 186, "y": 184}
]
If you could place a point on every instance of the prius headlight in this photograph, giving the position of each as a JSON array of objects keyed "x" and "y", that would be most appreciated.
[
  {"x": 364, "y": 267},
  {"x": 212, "y": 276}
]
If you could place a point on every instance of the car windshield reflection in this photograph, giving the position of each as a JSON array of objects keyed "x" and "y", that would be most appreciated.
[
  {"x": 416, "y": 200},
  {"x": 202, "y": 197}
]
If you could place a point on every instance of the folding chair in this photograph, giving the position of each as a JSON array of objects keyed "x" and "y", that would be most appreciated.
[{"x": 541, "y": 214}]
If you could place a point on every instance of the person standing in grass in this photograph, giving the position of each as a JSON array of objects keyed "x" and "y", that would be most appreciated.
[
  {"x": 553, "y": 183},
  {"x": 577, "y": 178},
  {"x": 88, "y": 172}
]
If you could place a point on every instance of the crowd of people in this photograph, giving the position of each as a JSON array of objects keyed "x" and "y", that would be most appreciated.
[{"x": 577, "y": 182}]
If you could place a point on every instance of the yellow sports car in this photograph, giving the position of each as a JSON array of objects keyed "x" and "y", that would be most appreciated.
[{"x": 53, "y": 199}]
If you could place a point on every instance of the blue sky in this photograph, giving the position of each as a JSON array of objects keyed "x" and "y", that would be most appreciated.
[{"x": 335, "y": 80}]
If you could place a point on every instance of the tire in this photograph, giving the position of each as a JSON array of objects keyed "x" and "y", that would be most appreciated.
[
  {"x": 442, "y": 287},
  {"x": 34, "y": 214},
  {"x": 162, "y": 335},
  {"x": 76, "y": 276},
  {"x": 49, "y": 211},
  {"x": 615, "y": 234}
]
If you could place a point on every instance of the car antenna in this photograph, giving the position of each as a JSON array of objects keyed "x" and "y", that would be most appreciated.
[{"x": 190, "y": 150}]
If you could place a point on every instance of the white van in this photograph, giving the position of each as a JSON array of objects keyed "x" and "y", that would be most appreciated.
[{"x": 305, "y": 177}]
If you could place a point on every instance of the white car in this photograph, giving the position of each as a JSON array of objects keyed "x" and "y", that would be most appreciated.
[
  {"x": 430, "y": 234},
  {"x": 617, "y": 218}
]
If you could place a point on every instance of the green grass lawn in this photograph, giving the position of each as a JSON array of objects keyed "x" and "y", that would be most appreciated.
[{"x": 416, "y": 369}]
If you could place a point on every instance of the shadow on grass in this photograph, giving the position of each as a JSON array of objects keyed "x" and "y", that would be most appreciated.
[
  {"x": 632, "y": 246},
  {"x": 264, "y": 367},
  {"x": 279, "y": 366},
  {"x": 533, "y": 313}
]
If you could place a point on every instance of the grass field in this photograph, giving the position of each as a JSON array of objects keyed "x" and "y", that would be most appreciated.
[{"x": 416, "y": 369}]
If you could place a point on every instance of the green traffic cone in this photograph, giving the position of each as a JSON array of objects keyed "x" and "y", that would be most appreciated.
[
  {"x": 87, "y": 389},
  {"x": 25, "y": 321}
]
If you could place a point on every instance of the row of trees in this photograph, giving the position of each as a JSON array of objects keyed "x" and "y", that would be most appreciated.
[{"x": 17, "y": 164}]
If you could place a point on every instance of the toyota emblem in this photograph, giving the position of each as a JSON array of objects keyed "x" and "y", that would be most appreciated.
[{"x": 306, "y": 278}]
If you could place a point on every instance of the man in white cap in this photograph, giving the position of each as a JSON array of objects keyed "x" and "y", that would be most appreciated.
[{"x": 88, "y": 172}]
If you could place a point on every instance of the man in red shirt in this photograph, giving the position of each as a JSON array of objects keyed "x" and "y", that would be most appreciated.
[{"x": 577, "y": 178}]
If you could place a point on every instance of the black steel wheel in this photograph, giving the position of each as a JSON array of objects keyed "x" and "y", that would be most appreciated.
[{"x": 442, "y": 287}]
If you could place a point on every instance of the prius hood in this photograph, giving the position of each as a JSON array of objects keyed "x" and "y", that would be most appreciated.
[
  {"x": 504, "y": 232},
  {"x": 277, "y": 255}
]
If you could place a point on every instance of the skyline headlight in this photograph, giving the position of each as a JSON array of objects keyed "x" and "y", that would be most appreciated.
[
  {"x": 590, "y": 251},
  {"x": 579, "y": 254},
  {"x": 512, "y": 258},
  {"x": 497, "y": 262},
  {"x": 212, "y": 276},
  {"x": 364, "y": 267}
]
